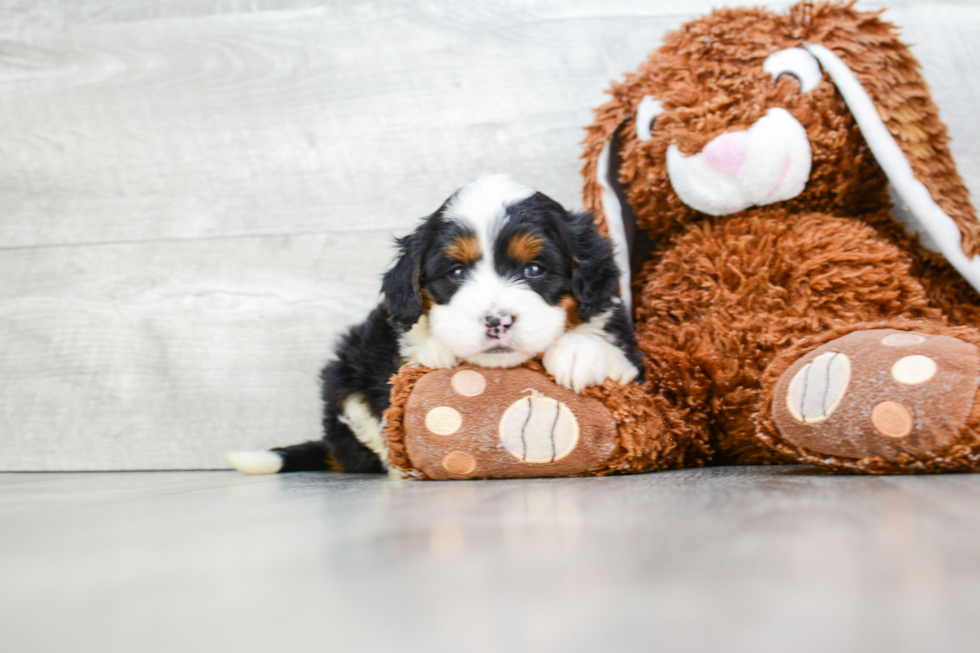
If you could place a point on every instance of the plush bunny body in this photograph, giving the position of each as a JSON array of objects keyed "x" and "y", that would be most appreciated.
[{"x": 783, "y": 308}]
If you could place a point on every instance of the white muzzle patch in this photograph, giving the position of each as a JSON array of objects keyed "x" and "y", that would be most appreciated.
[
  {"x": 768, "y": 163},
  {"x": 461, "y": 323}
]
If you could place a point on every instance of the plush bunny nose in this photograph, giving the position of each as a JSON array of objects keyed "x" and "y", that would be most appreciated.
[{"x": 727, "y": 153}]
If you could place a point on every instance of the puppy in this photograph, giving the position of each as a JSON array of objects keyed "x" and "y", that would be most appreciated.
[{"x": 498, "y": 274}]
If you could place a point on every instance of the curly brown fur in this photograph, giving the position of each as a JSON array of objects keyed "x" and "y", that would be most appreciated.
[{"x": 721, "y": 298}]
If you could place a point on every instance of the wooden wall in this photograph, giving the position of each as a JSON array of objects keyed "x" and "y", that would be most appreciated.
[{"x": 197, "y": 196}]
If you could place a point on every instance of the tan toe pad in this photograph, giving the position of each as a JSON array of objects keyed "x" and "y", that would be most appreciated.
[{"x": 880, "y": 392}]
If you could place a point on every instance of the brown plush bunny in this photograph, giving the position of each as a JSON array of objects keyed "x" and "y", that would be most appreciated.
[{"x": 804, "y": 252}]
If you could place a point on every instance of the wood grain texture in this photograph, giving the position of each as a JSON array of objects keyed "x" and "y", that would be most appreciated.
[
  {"x": 198, "y": 196},
  {"x": 156, "y": 355},
  {"x": 719, "y": 560},
  {"x": 289, "y": 121}
]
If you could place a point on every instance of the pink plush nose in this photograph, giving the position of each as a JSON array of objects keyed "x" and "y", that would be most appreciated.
[{"x": 727, "y": 153}]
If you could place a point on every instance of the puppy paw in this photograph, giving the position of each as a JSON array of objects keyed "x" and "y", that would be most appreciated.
[
  {"x": 418, "y": 345},
  {"x": 577, "y": 361},
  {"x": 434, "y": 354},
  {"x": 620, "y": 368}
]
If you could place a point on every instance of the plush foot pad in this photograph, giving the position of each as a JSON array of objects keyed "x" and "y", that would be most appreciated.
[
  {"x": 879, "y": 392},
  {"x": 486, "y": 423}
]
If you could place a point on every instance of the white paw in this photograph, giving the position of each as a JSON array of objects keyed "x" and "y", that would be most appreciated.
[
  {"x": 433, "y": 353},
  {"x": 418, "y": 345},
  {"x": 255, "y": 462},
  {"x": 620, "y": 368},
  {"x": 366, "y": 427},
  {"x": 577, "y": 361}
]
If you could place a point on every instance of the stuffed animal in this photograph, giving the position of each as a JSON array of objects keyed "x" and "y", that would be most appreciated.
[
  {"x": 803, "y": 260},
  {"x": 806, "y": 252}
]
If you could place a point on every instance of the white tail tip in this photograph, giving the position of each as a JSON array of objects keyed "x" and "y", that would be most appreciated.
[{"x": 255, "y": 462}]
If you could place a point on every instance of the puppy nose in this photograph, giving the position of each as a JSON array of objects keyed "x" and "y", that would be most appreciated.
[
  {"x": 498, "y": 323},
  {"x": 727, "y": 153}
]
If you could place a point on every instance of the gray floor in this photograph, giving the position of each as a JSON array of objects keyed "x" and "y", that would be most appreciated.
[{"x": 727, "y": 559}]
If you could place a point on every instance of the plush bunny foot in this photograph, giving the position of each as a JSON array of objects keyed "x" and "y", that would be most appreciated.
[
  {"x": 473, "y": 422},
  {"x": 895, "y": 396}
]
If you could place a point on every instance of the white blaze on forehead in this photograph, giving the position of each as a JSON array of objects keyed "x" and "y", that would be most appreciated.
[{"x": 482, "y": 206}]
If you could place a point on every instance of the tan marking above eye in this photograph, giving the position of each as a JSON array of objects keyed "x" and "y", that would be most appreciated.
[
  {"x": 524, "y": 247},
  {"x": 465, "y": 249}
]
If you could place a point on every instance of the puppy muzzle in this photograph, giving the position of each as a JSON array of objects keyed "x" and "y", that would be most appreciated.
[{"x": 498, "y": 324}]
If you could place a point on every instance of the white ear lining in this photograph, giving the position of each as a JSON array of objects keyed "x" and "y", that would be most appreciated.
[
  {"x": 614, "y": 223},
  {"x": 930, "y": 217}
]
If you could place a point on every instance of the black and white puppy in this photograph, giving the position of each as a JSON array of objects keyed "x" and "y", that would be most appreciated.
[{"x": 499, "y": 274}]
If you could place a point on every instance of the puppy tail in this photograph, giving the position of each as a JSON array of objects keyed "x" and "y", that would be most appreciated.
[{"x": 307, "y": 457}]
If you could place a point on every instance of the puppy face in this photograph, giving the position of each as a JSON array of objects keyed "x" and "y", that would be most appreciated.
[{"x": 500, "y": 272}]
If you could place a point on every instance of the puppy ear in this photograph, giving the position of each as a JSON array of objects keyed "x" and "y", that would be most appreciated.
[
  {"x": 401, "y": 284},
  {"x": 595, "y": 277},
  {"x": 882, "y": 86}
]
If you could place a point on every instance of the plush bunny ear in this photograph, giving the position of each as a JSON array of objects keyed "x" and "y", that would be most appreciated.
[
  {"x": 613, "y": 217},
  {"x": 880, "y": 81}
]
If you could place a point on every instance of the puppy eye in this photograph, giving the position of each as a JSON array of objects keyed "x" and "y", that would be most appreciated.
[
  {"x": 457, "y": 273},
  {"x": 797, "y": 63},
  {"x": 533, "y": 271},
  {"x": 646, "y": 115}
]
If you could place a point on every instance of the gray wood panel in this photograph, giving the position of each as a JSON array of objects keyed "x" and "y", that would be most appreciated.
[
  {"x": 290, "y": 121},
  {"x": 198, "y": 196},
  {"x": 720, "y": 560},
  {"x": 156, "y": 355}
]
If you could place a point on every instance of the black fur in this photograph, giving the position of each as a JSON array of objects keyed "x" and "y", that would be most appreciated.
[
  {"x": 620, "y": 326},
  {"x": 575, "y": 261},
  {"x": 310, "y": 456},
  {"x": 401, "y": 284},
  {"x": 366, "y": 358},
  {"x": 582, "y": 263}
]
